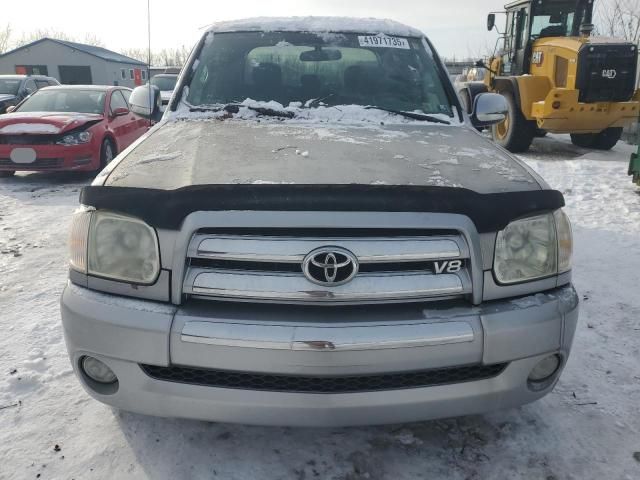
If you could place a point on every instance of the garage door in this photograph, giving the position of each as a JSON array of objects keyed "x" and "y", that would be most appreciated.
[{"x": 75, "y": 75}]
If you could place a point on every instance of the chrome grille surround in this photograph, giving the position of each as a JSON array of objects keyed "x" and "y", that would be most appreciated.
[{"x": 268, "y": 268}]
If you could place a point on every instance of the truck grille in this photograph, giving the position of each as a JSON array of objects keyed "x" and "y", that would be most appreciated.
[
  {"x": 268, "y": 266},
  {"x": 315, "y": 384},
  {"x": 606, "y": 73},
  {"x": 29, "y": 139}
]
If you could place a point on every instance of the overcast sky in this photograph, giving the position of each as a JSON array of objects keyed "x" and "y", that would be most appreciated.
[{"x": 457, "y": 27}]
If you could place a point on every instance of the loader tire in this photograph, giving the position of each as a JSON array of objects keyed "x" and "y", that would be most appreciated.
[
  {"x": 605, "y": 140},
  {"x": 515, "y": 133}
]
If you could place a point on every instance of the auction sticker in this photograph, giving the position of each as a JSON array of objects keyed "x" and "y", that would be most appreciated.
[{"x": 383, "y": 41}]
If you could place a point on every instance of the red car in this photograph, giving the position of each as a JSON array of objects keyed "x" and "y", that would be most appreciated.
[{"x": 79, "y": 128}]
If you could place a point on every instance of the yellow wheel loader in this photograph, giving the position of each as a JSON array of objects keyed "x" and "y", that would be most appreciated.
[{"x": 557, "y": 77}]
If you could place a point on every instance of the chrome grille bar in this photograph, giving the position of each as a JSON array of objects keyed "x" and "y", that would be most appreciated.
[
  {"x": 293, "y": 250},
  {"x": 289, "y": 287}
]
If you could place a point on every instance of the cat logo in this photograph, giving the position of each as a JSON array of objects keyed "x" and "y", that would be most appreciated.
[
  {"x": 537, "y": 58},
  {"x": 610, "y": 74}
]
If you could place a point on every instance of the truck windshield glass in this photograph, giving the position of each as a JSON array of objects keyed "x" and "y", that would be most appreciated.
[
  {"x": 9, "y": 86},
  {"x": 67, "y": 101},
  {"x": 396, "y": 73},
  {"x": 165, "y": 84},
  {"x": 557, "y": 19}
]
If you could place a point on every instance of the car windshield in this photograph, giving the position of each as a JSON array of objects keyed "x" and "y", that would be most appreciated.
[
  {"x": 164, "y": 83},
  {"x": 395, "y": 73},
  {"x": 9, "y": 86},
  {"x": 59, "y": 100}
]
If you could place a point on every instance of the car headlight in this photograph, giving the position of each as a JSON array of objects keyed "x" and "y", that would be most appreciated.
[
  {"x": 533, "y": 248},
  {"x": 77, "y": 138},
  {"x": 114, "y": 246}
]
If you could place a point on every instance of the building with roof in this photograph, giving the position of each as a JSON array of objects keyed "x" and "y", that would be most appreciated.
[{"x": 74, "y": 63}]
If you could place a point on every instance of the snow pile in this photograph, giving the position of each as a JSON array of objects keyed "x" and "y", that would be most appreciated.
[
  {"x": 317, "y": 24},
  {"x": 323, "y": 114},
  {"x": 21, "y": 128}
]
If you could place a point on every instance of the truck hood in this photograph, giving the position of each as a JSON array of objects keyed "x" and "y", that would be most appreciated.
[
  {"x": 45, "y": 122},
  {"x": 184, "y": 153}
]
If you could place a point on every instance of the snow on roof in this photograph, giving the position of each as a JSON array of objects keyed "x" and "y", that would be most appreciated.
[{"x": 317, "y": 24}]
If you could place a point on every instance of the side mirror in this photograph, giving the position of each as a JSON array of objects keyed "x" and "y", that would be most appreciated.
[
  {"x": 491, "y": 21},
  {"x": 489, "y": 109},
  {"x": 145, "y": 101},
  {"x": 10, "y": 109},
  {"x": 120, "y": 111}
]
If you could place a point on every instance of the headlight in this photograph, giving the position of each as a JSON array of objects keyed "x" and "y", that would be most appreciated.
[
  {"x": 75, "y": 138},
  {"x": 533, "y": 248},
  {"x": 526, "y": 250},
  {"x": 116, "y": 247}
]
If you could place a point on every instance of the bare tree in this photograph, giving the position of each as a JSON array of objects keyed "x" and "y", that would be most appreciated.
[
  {"x": 89, "y": 38},
  {"x": 619, "y": 18},
  {"x": 5, "y": 38},
  {"x": 167, "y": 57}
]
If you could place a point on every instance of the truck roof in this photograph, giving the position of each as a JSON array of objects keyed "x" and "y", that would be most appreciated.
[{"x": 317, "y": 24}]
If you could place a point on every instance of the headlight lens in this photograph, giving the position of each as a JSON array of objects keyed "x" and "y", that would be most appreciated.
[
  {"x": 75, "y": 138},
  {"x": 526, "y": 250},
  {"x": 115, "y": 246}
]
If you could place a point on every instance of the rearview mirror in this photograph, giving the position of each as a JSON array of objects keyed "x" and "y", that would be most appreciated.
[
  {"x": 321, "y": 55},
  {"x": 10, "y": 109},
  {"x": 489, "y": 109},
  {"x": 145, "y": 101},
  {"x": 491, "y": 21}
]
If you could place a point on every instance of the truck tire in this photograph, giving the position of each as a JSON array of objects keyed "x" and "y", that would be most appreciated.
[
  {"x": 605, "y": 140},
  {"x": 515, "y": 133}
]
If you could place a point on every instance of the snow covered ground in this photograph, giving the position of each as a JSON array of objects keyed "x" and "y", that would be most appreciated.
[{"x": 588, "y": 428}]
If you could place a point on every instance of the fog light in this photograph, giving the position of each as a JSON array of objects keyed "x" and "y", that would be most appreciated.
[
  {"x": 98, "y": 371},
  {"x": 545, "y": 369}
]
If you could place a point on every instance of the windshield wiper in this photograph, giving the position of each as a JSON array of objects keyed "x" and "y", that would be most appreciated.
[
  {"x": 413, "y": 115},
  {"x": 235, "y": 108}
]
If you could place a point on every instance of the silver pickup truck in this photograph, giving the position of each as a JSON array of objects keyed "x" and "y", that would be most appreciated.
[{"x": 315, "y": 234}]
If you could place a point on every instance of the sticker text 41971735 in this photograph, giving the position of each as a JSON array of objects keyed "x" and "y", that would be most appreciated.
[{"x": 383, "y": 41}]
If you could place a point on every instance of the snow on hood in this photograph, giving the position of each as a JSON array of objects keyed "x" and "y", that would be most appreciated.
[
  {"x": 339, "y": 114},
  {"x": 44, "y": 122},
  {"x": 317, "y": 24},
  {"x": 179, "y": 154}
]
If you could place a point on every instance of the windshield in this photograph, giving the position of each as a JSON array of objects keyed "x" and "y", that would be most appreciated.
[
  {"x": 395, "y": 73},
  {"x": 9, "y": 86},
  {"x": 80, "y": 101},
  {"x": 165, "y": 84},
  {"x": 558, "y": 19}
]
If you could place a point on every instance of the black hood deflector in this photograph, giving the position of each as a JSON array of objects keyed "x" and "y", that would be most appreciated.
[{"x": 167, "y": 209}]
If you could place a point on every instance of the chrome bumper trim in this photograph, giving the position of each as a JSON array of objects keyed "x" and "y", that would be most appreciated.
[{"x": 329, "y": 339}]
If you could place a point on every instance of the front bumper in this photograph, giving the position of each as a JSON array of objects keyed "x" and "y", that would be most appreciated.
[
  {"x": 573, "y": 116},
  {"x": 84, "y": 157},
  {"x": 126, "y": 333}
]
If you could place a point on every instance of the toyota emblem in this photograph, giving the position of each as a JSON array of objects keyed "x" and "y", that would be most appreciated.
[{"x": 330, "y": 266}]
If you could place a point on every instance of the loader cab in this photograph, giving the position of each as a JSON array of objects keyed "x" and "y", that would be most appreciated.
[{"x": 529, "y": 20}]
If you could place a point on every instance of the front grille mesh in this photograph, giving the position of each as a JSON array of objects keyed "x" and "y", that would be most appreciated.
[{"x": 315, "y": 384}]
